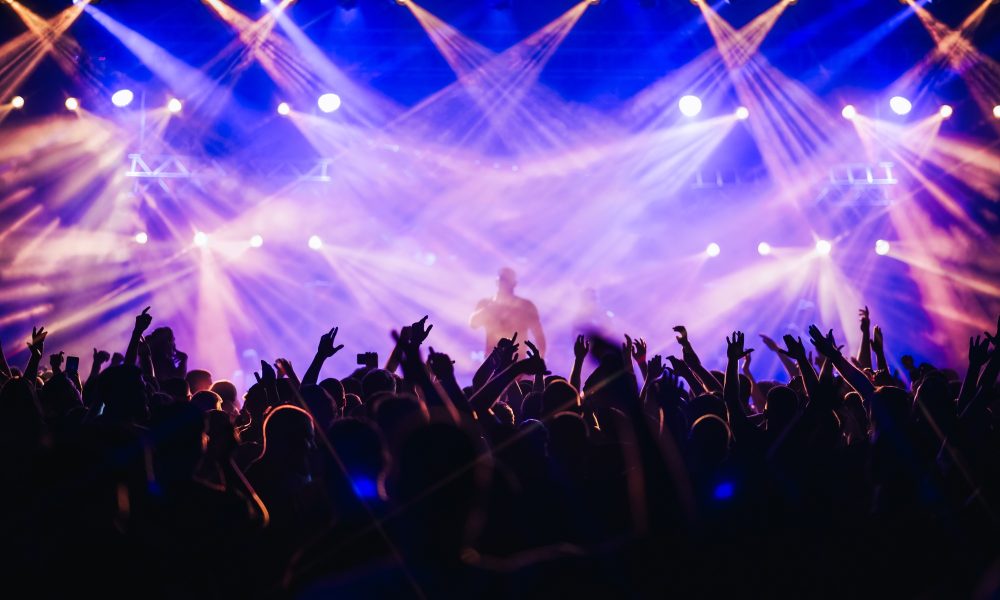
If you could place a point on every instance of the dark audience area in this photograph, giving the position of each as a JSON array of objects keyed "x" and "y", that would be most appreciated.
[{"x": 626, "y": 476}]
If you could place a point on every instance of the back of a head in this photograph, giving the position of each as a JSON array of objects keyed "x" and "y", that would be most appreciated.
[
  {"x": 706, "y": 404},
  {"x": 782, "y": 402},
  {"x": 890, "y": 409},
  {"x": 288, "y": 429},
  {"x": 708, "y": 440},
  {"x": 375, "y": 381},
  {"x": 397, "y": 414},
  {"x": 178, "y": 440},
  {"x": 198, "y": 380},
  {"x": 123, "y": 393},
  {"x": 336, "y": 390},
  {"x": 206, "y": 400},
  {"x": 176, "y": 387},
  {"x": 558, "y": 397},
  {"x": 567, "y": 435},
  {"x": 227, "y": 391},
  {"x": 320, "y": 404},
  {"x": 59, "y": 396}
]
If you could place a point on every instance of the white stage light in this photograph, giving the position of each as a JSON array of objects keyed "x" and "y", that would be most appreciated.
[
  {"x": 17, "y": 102},
  {"x": 174, "y": 105},
  {"x": 881, "y": 247},
  {"x": 256, "y": 241},
  {"x": 763, "y": 248},
  {"x": 690, "y": 105},
  {"x": 742, "y": 113},
  {"x": 72, "y": 104},
  {"x": 141, "y": 238},
  {"x": 823, "y": 247},
  {"x": 122, "y": 98},
  {"x": 946, "y": 111},
  {"x": 996, "y": 111},
  {"x": 849, "y": 112},
  {"x": 328, "y": 103},
  {"x": 900, "y": 105},
  {"x": 284, "y": 109},
  {"x": 713, "y": 250},
  {"x": 200, "y": 238},
  {"x": 315, "y": 243}
]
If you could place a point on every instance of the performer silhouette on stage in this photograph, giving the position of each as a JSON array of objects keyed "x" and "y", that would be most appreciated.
[{"x": 506, "y": 313}]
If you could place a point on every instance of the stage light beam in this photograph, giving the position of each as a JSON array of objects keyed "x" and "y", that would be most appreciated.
[
  {"x": 122, "y": 98},
  {"x": 72, "y": 104},
  {"x": 690, "y": 105},
  {"x": 174, "y": 105},
  {"x": 823, "y": 247},
  {"x": 900, "y": 105},
  {"x": 17, "y": 102},
  {"x": 200, "y": 239},
  {"x": 849, "y": 112},
  {"x": 284, "y": 109},
  {"x": 328, "y": 103},
  {"x": 882, "y": 247},
  {"x": 141, "y": 238},
  {"x": 256, "y": 241},
  {"x": 713, "y": 250},
  {"x": 315, "y": 243},
  {"x": 763, "y": 248},
  {"x": 742, "y": 113},
  {"x": 946, "y": 111}
]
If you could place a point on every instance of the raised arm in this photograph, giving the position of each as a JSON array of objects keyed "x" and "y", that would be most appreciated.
[
  {"x": 826, "y": 346},
  {"x": 865, "y": 351},
  {"x": 878, "y": 347},
  {"x": 325, "y": 350},
  {"x": 796, "y": 351},
  {"x": 639, "y": 354},
  {"x": 580, "y": 350},
  {"x": 708, "y": 381},
  {"x": 738, "y": 420},
  {"x": 142, "y": 323},
  {"x": 443, "y": 369},
  {"x": 36, "y": 346},
  {"x": 790, "y": 367},
  {"x": 535, "y": 328}
]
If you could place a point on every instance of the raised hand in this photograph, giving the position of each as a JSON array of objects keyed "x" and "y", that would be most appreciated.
[
  {"x": 825, "y": 345},
  {"x": 865, "y": 319},
  {"x": 994, "y": 338},
  {"x": 419, "y": 331},
  {"x": 56, "y": 361},
  {"x": 734, "y": 346},
  {"x": 284, "y": 367},
  {"x": 655, "y": 367},
  {"x": 326, "y": 347},
  {"x": 37, "y": 343},
  {"x": 682, "y": 335},
  {"x": 143, "y": 348},
  {"x": 746, "y": 361},
  {"x": 533, "y": 362},
  {"x": 117, "y": 359},
  {"x": 505, "y": 352},
  {"x": 627, "y": 347},
  {"x": 979, "y": 351},
  {"x": 796, "y": 350},
  {"x": 770, "y": 344},
  {"x": 877, "y": 340},
  {"x": 143, "y": 321},
  {"x": 101, "y": 357},
  {"x": 639, "y": 350},
  {"x": 440, "y": 365},
  {"x": 671, "y": 389},
  {"x": 267, "y": 376},
  {"x": 581, "y": 347}
]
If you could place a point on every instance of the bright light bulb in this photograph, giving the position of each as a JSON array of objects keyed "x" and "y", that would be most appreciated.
[
  {"x": 284, "y": 109},
  {"x": 713, "y": 250},
  {"x": 141, "y": 237},
  {"x": 946, "y": 111},
  {"x": 996, "y": 111},
  {"x": 200, "y": 238},
  {"x": 742, "y": 113},
  {"x": 823, "y": 247},
  {"x": 122, "y": 98},
  {"x": 900, "y": 105},
  {"x": 881, "y": 247},
  {"x": 763, "y": 248},
  {"x": 256, "y": 241},
  {"x": 315, "y": 243},
  {"x": 849, "y": 112},
  {"x": 17, "y": 102},
  {"x": 174, "y": 105},
  {"x": 72, "y": 104},
  {"x": 690, "y": 105},
  {"x": 328, "y": 103}
]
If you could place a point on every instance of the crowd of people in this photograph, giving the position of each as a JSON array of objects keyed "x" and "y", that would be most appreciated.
[{"x": 632, "y": 476}]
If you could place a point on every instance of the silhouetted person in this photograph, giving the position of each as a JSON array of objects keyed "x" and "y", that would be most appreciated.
[{"x": 505, "y": 314}]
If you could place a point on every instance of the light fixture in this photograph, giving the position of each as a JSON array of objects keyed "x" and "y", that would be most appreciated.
[
  {"x": 849, "y": 112},
  {"x": 763, "y": 248},
  {"x": 174, "y": 105},
  {"x": 690, "y": 105},
  {"x": 122, "y": 98},
  {"x": 713, "y": 250},
  {"x": 900, "y": 105},
  {"x": 328, "y": 103},
  {"x": 72, "y": 104},
  {"x": 284, "y": 109},
  {"x": 823, "y": 247},
  {"x": 742, "y": 113},
  {"x": 17, "y": 102}
]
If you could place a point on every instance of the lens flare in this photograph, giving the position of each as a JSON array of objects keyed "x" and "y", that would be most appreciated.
[
  {"x": 122, "y": 98},
  {"x": 763, "y": 248},
  {"x": 328, "y": 103},
  {"x": 690, "y": 105},
  {"x": 882, "y": 247},
  {"x": 713, "y": 250},
  {"x": 900, "y": 105}
]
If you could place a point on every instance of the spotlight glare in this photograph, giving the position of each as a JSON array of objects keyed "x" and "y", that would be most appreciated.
[
  {"x": 690, "y": 105},
  {"x": 72, "y": 104},
  {"x": 174, "y": 105},
  {"x": 849, "y": 112},
  {"x": 284, "y": 109},
  {"x": 996, "y": 111},
  {"x": 200, "y": 238},
  {"x": 315, "y": 243},
  {"x": 713, "y": 250},
  {"x": 256, "y": 241},
  {"x": 763, "y": 248},
  {"x": 946, "y": 111},
  {"x": 328, "y": 103},
  {"x": 900, "y": 105},
  {"x": 17, "y": 102},
  {"x": 742, "y": 113},
  {"x": 141, "y": 238},
  {"x": 823, "y": 247},
  {"x": 122, "y": 98},
  {"x": 881, "y": 247}
]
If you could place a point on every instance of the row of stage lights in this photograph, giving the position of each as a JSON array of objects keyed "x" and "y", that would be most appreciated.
[
  {"x": 689, "y": 105},
  {"x": 823, "y": 248}
]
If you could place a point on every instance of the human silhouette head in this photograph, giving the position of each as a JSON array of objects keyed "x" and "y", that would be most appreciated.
[
  {"x": 227, "y": 391},
  {"x": 506, "y": 280},
  {"x": 207, "y": 400},
  {"x": 198, "y": 380}
]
